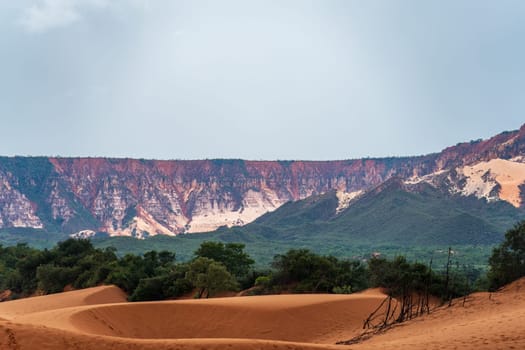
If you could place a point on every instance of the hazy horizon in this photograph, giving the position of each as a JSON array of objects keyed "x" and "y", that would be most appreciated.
[{"x": 244, "y": 159}]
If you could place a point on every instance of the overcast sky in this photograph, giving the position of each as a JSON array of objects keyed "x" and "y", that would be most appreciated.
[{"x": 257, "y": 79}]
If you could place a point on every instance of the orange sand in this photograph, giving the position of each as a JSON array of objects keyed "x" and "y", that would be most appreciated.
[
  {"x": 100, "y": 318},
  {"x": 485, "y": 321}
]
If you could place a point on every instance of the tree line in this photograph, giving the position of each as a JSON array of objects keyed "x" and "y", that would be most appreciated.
[{"x": 218, "y": 267}]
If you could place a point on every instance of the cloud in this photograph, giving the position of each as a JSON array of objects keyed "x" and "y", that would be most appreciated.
[{"x": 44, "y": 15}]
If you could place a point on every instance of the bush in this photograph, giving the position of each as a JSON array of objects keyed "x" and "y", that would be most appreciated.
[
  {"x": 342, "y": 290},
  {"x": 149, "y": 289},
  {"x": 507, "y": 262},
  {"x": 309, "y": 272},
  {"x": 53, "y": 279},
  {"x": 231, "y": 255},
  {"x": 210, "y": 277}
]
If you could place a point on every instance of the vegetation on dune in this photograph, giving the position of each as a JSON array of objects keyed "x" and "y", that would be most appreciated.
[
  {"x": 507, "y": 262},
  {"x": 300, "y": 270},
  {"x": 231, "y": 255},
  {"x": 216, "y": 267},
  {"x": 153, "y": 275},
  {"x": 210, "y": 277}
]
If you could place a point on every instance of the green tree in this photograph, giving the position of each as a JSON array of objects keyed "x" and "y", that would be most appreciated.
[
  {"x": 24, "y": 279},
  {"x": 53, "y": 279},
  {"x": 310, "y": 272},
  {"x": 69, "y": 252},
  {"x": 94, "y": 269},
  {"x": 148, "y": 289},
  {"x": 507, "y": 262},
  {"x": 164, "y": 286},
  {"x": 18, "y": 264},
  {"x": 231, "y": 255},
  {"x": 73, "y": 262},
  {"x": 128, "y": 271},
  {"x": 210, "y": 277}
]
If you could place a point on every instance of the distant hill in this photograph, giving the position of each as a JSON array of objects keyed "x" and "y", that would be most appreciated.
[
  {"x": 417, "y": 220},
  {"x": 469, "y": 192},
  {"x": 392, "y": 213}
]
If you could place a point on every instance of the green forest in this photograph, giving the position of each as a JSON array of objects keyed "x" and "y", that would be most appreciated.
[{"x": 217, "y": 267}]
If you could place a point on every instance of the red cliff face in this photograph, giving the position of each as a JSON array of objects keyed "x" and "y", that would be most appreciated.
[
  {"x": 202, "y": 195},
  {"x": 506, "y": 145},
  {"x": 137, "y": 197}
]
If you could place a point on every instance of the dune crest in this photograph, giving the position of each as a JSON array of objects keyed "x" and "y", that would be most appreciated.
[
  {"x": 82, "y": 297},
  {"x": 101, "y": 319},
  {"x": 297, "y": 318}
]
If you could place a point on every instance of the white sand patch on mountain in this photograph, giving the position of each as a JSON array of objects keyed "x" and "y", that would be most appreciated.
[
  {"x": 254, "y": 205},
  {"x": 142, "y": 225},
  {"x": 429, "y": 178},
  {"x": 345, "y": 198},
  {"x": 484, "y": 176}
]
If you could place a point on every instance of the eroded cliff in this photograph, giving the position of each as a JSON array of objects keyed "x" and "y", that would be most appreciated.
[{"x": 147, "y": 197}]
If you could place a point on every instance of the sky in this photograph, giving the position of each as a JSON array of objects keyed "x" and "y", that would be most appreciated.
[{"x": 273, "y": 80}]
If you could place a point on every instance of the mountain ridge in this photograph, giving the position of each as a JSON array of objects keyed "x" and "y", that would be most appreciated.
[
  {"x": 138, "y": 197},
  {"x": 393, "y": 212}
]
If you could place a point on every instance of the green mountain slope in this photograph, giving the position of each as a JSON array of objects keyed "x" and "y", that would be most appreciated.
[
  {"x": 417, "y": 221},
  {"x": 391, "y": 214}
]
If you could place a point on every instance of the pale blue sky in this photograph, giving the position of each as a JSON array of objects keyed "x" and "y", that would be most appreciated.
[{"x": 257, "y": 79}]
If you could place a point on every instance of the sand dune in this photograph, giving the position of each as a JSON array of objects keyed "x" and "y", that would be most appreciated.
[
  {"x": 484, "y": 321},
  {"x": 322, "y": 318},
  {"x": 100, "y": 318},
  {"x": 88, "y": 296}
]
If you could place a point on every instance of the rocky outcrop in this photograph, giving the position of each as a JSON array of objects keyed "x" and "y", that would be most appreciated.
[
  {"x": 138, "y": 197},
  {"x": 15, "y": 209}
]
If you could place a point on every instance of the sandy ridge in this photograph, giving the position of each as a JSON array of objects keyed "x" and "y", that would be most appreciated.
[{"x": 100, "y": 318}]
